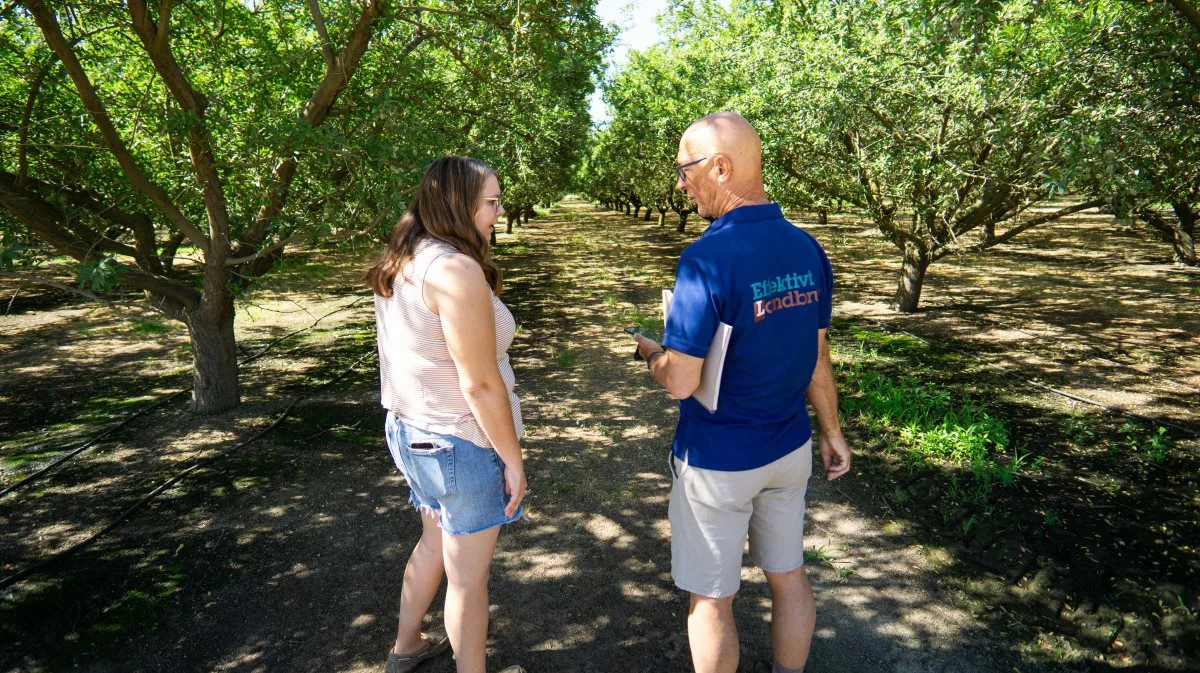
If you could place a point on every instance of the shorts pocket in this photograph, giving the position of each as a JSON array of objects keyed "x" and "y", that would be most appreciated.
[
  {"x": 429, "y": 447},
  {"x": 430, "y": 464}
]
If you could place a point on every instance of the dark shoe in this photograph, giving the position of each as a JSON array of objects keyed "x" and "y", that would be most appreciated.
[{"x": 436, "y": 642}]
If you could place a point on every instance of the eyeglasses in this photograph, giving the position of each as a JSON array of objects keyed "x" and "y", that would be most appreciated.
[
  {"x": 495, "y": 201},
  {"x": 679, "y": 168}
]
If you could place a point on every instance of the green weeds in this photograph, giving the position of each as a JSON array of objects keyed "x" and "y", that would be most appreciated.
[
  {"x": 565, "y": 358},
  {"x": 505, "y": 249},
  {"x": 925, "y": 420},
  {"x": 928, "y": 424},
  {"x": 1141, "y": 439},
  {"x": 142, "y": 327}
]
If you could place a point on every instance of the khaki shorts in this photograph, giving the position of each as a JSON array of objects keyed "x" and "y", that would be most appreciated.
[{"x": 712, "y": 512}]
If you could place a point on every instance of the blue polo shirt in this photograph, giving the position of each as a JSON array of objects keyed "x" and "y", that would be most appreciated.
[{"x": 772, "y": 282}]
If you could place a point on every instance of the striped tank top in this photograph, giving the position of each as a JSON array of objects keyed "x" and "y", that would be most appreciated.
[{"x": 418, "y": 379}]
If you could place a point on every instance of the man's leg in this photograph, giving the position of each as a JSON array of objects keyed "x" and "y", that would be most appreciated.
[
  {"x": 712, "y": 634},
  {"x": 777, "y": 546},
  {"x": 710, "y": 513},
  {"x": 793, "y": 616}
]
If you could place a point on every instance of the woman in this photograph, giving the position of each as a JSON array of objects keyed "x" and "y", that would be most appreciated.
[{"x": 453, "y": 425}]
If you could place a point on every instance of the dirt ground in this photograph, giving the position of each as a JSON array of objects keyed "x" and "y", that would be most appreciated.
[{"x": 288, "y": 553}]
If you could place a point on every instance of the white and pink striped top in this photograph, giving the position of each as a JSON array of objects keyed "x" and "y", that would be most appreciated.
[{"x": 418, "y": 380}]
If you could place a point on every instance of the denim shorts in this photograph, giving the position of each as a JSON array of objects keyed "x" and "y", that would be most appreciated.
[{"x": 449, "y": 476}]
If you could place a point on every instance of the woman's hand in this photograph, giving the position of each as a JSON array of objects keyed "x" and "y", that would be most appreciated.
[{"x": 514, "y": 486}]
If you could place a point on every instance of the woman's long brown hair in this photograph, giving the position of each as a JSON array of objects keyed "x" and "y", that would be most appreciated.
[{"x": 443, "y": 208}]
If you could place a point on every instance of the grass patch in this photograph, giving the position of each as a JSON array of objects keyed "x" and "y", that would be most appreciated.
[
  {"x": 925, "y": 422},
  {"x": 142, "y": 327},
  {"x": 506, "y": 249},
  {"x": 566, "y": 358},
  {"x": 924, "y": 419}
]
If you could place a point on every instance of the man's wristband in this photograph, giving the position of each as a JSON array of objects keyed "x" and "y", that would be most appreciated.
[{"x": 654, "y": 356}]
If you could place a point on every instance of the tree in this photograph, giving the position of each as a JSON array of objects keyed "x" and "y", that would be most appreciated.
[
  {"x": 139, "y": 130},
  {"x": 944, "y": 122},
  {"x": 1143, "y": 148},
  {"x": 950, "y": 123}
]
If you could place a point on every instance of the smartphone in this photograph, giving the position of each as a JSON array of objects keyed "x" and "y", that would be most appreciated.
[{"x": 648, "y": 333}]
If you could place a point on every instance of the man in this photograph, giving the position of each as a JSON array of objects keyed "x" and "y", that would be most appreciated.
[{"x": 742, "y": 471}]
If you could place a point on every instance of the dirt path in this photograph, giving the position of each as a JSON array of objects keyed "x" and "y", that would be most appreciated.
[{"x": 288, "y": 556}]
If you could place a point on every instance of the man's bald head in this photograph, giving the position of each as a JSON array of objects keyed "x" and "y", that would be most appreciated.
[
  {"x": 726, "y": 133},
  {"x": 732, "y": 176}
]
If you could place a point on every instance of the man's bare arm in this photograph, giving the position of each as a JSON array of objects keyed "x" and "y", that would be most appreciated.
[
  {"x": 678, "y": 372},
  {"x": 822, "y": 395}
]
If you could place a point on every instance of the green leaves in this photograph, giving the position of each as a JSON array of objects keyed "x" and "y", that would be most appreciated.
[
  {"x": 103, "y": 275},
  {"x": 10, "y": 255}
]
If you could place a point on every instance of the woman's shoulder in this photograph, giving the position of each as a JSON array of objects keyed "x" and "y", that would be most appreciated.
[{"x": 454, "y": 268}]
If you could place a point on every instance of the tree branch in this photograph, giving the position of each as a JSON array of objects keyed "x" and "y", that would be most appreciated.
[
  {"x": 336, "y": 78},
  {"x": 788, "y": 165},
  {"x": 57, "y": 285},
  {"x": 449, "y": 12},
  {"x": 26, "y": 115},
  {"x": 87, "y": 93},
  {"x": 237, "y": 261},
  {"x": 438, "y": 37},
  {"x": 314, "y": 8},
  {"x": 154, "y": 37},
  {"x": 1021, "y": 228},
  {"x": 140, "y": 225},
  {"x": 1188, "y": 11},
  {"x": 47, "y": 222}
]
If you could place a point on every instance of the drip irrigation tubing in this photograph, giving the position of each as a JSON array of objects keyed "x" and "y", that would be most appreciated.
[
  {"x": 1099, "y": 356},
  {"x": 71, "y": 453},
  {"x": 1008, "y": 372},
  {"x": 80, "y": 449},
  {"x": 39, "y": 566}
]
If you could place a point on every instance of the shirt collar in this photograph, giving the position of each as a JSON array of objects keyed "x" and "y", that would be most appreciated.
[{"x": 754, "y": 213}]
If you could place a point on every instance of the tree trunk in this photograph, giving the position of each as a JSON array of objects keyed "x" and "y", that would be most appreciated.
[
  {"x": 508, "y": 227},
  {"x": 823, "y": 216},
  {"x": 662, "y": 217},
  {"x": 912, "y": 277},
  {"x": 637, "y": 211},
  {"x": 525, "y": 215},
  {"x": 492, "y": 240},
  {"x": 1184, "y": 235},
  {"x": 683, "y": 217},
  {"x": 649, "y": 214},
  {"x": 214, "y": 350},
  {"x": 168, "y": 252},
  {"x": 627, "y": 206}
]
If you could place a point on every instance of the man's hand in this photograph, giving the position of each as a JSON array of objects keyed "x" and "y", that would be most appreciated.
[
  {"x": 646, "y": 346},
  {"x": 835, "y": 454}
]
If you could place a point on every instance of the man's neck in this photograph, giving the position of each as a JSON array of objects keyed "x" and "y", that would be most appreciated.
[{"x": 736, "y": 201}]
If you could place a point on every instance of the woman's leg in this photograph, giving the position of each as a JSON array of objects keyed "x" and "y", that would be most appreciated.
[
  {"x": 422, "y": 577},
  {"x": 468, "y": 559}
]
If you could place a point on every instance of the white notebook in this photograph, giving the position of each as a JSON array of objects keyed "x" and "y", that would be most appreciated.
[{"x": 710, "y": 375}]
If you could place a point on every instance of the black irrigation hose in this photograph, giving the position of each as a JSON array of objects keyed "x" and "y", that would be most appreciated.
[
  {"x": 22, "y": 574},
  {"x": 130, "y": 417},
  {"x": 1133, "y": 414},
  {"x": 77, "y": 450},
  {"x": 1101, "y": 357}
]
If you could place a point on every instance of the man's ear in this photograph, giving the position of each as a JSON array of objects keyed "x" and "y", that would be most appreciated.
[{"x": 724, "y": 168}]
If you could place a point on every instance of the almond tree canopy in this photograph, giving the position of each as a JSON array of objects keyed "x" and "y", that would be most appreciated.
[
  {"x": 132, "y": 133},
  {"x": 956, "y": 126}
]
